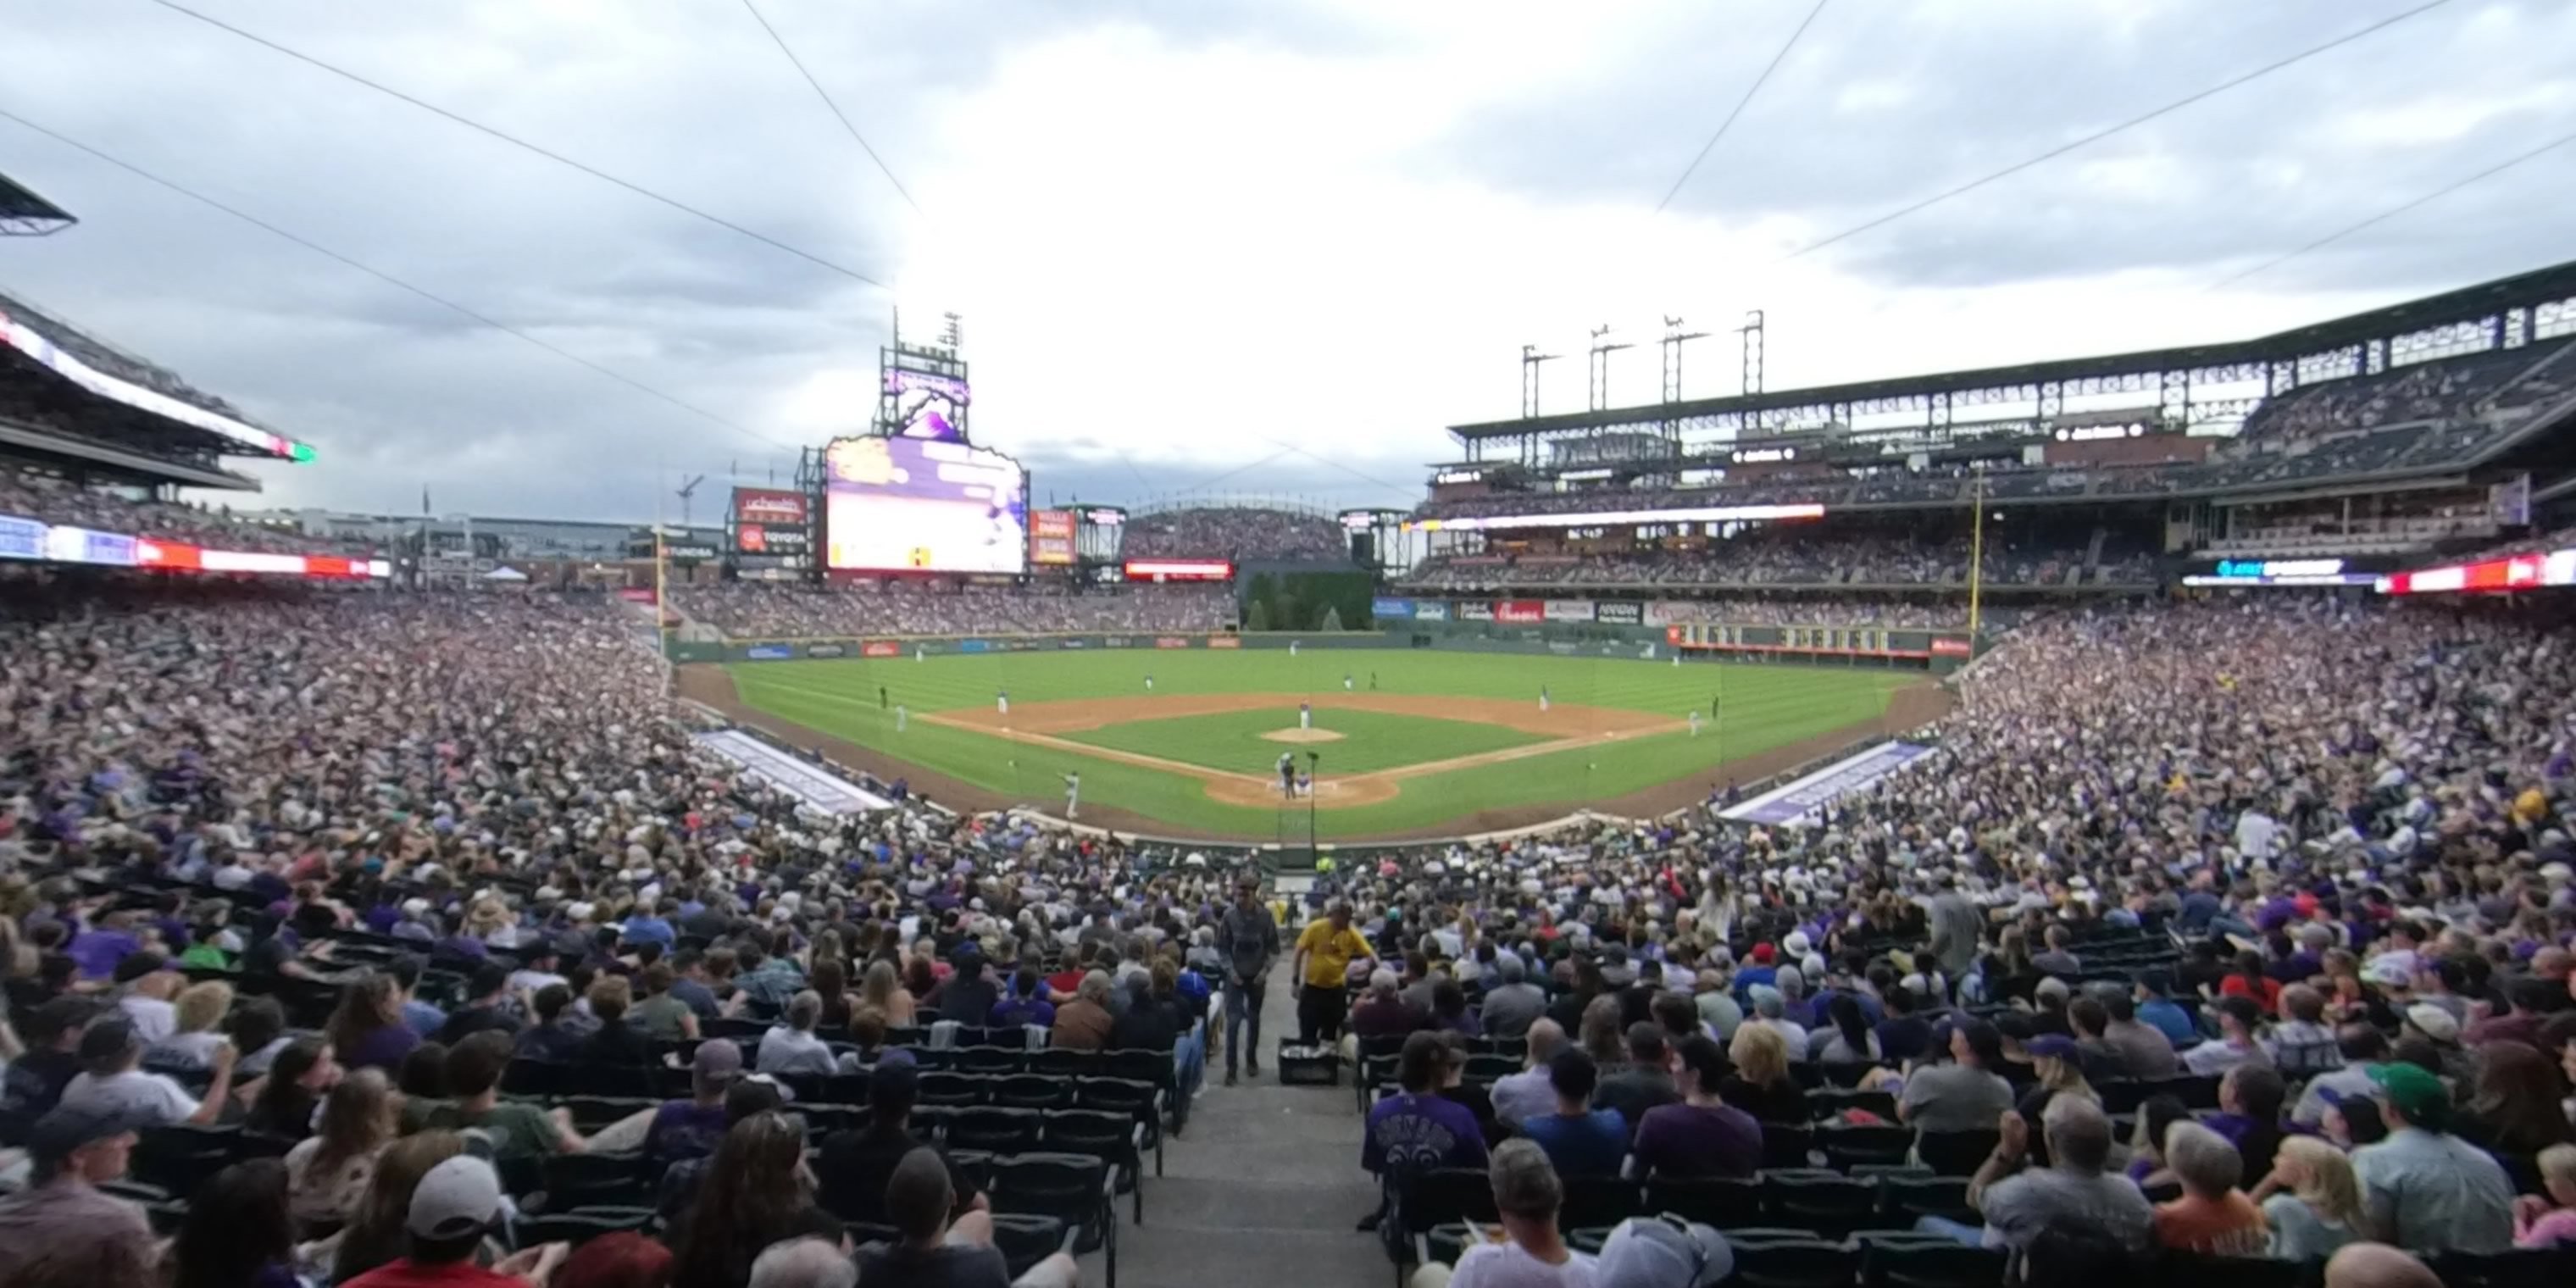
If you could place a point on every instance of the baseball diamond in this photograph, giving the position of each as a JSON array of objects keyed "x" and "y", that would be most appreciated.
[{"x": 1424, "y": 743}]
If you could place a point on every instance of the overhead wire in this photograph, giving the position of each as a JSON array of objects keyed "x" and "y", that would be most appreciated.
[
  {"x": 387, "y": 278},
  {"x": 548, "y": 153},
  {"x": 843, "y": 117},
  {"x": 2097, "y": 136},
  {"x": 2392, "y": 212},
  {"x": 1740, "y": 105}
]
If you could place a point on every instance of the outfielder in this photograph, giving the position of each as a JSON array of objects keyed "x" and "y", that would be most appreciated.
[
  {"x": 1149, "y": 684},
  {"x": 1346, "y": 681},
  {"x": 898, "y": 719},
  {"x": 1072, "y": 794}
]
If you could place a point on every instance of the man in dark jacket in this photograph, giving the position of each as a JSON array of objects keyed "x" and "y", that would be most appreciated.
[
  {"x": 1643, "y": 1083},
  {"x": 1249, "y": 938}
]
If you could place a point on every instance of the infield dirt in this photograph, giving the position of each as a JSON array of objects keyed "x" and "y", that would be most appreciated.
[{"x": 1565, "y": 727}]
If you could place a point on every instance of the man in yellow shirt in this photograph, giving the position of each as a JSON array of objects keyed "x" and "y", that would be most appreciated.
[{"x": 1323, "y": 963}]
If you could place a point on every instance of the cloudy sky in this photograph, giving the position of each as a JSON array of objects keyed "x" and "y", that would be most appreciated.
[{"x": 1269, "y": 246}]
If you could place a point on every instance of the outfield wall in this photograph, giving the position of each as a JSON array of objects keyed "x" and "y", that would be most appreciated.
[{"x": 1938, "y": 652}]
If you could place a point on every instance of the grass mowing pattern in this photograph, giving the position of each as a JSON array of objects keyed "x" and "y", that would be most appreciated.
[
  {"x": 1370, "y": 741},
  {"x": 1764, "y": 707}
]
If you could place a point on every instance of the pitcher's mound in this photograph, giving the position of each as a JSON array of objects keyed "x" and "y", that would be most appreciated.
[{"x": 1302, "y": 735}]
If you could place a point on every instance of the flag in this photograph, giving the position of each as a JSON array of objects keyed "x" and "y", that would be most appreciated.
[{"x": 424, "y": 500}]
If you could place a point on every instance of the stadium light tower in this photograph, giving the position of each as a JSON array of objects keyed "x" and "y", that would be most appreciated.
[
  {"x": 687, "y": 490},
  {"x": 1530, "y": 360},
  {"x": 1600, "y": 367}
]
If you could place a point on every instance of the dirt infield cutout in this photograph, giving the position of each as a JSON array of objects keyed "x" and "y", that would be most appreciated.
[
  {"x": 1301, "y": 735},
  {"x": 1566, "y": 728}
]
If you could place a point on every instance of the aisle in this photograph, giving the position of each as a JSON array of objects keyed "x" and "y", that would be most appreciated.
[{"x": 1265, "y": 1188}]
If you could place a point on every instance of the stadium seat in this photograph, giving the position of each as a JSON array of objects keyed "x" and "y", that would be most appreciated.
[
  {"x": 1814, "y": 1199},
  {"x": 1027, "y": 1238},
  {"x": 1902, "y": 1259},
  {"x": 1033, "y": 1091},
  {"x": 574, "y": 1181},
  {"x": 1777, "y": 1258},
  {"x": 1073, "y": 1188},
  {"x": 2520, "y": 1268},
  {"x": 1133, "y": 1098},
  {"x": 950, "y": 1089},
  {"x": 1786, "y": 1145},
  {"x": 1721, "y": 1202},
  {"x": 994, "y": 1129},
  {"x": 1909, "y": 1198},
  {"x": 1598, "y": 1200},
  {"x": 1105, "y": 1135},
  {"x": 1955, "y": 1153},
  {"x": 2204, "y": 1271},
  {"x": 1846, "y": 1145},
  {"x": 991, "y": 1060},
  {"x": 580, "y": 1227}
]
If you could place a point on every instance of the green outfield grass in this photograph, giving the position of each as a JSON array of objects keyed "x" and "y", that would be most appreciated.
[
  {"x": 1764, "y": 707},
  {"x": 1370, "y": 741}
]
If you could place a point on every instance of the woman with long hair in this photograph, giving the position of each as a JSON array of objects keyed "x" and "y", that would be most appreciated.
[
  {"x": 756, "y": 1192},
  {"x": 2515, "y": 1109},
  {"x": 367, "y": 1029},
  {"x": 1603, "y": 1038},
  {"x": 882, "y": 992},
  {"x": 378, "y": 1232},
  {"x": 326, "y": 1174},
  {"x": 2312, "y": 1200},
  {"x": 2248, "y": 980},
  {"x": 920, "y": 978},
  {"x": 831, "y": 982},
  {"x": 1761, "y": 1085},
  {"x": 2059, "y": 1072},
  {"x": 297, "y": 1078},
  {"x": 237, "y": 1234},
  {"x": 1848, "y": 1039}
]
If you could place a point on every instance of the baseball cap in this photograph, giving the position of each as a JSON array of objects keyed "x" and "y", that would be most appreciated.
[
  {"x": 2437, "y": 1024},
  {"x": 460, "y": 1196},
  {"x": 66, "y": 1131},
  {"x": 107, "y": 1038},
  {"x": 2055, "y": 1046},
  {"x": 2415, "y": 1092},
  {"x": 2387, "y": 972},
  {"x": 1662, "y": 1252},
  {"x": 717, "y": 1062}
]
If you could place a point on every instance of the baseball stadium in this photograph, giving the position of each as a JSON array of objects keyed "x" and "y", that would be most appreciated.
[{"x": 1927, "y": 822}]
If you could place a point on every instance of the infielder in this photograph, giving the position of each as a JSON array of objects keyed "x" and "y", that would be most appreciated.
[
  {"x": 1346, "y": 681},
  {"x": 1002, "y": 700},
  {"x": 1305, "y": 716},
  {"x": 898, "y": 719},
  {"x": 1149, "y": 684},
  {"x": 1072, "y": 794},
  {"x": 1694, "y": 723},
  {"x": 1542, "y": 698}
]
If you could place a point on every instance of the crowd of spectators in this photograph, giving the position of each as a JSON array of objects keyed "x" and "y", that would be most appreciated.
[
  {"x": 1236, "y": 532},
  {"x": 775, "y": 610},
  {"x": 2303, "y": 865},
  {"x": 47, "y": 499},
  {"x": 2305, "y": 858},
  {"x": 1785, "y": 555}
]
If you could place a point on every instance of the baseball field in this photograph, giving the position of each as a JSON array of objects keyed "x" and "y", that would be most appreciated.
[{"x": 1396, "y": 743}]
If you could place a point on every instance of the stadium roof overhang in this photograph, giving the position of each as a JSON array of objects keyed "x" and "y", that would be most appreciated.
[
  {"x": 152, "y": 469},
  {"x": 25, "y": 214},
  {"x": 103, "y": 372},
  {"x": 2469, "y": 303}
]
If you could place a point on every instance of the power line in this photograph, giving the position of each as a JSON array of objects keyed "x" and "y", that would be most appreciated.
[
  {"x": 387, "y": 278},
  {"x": 522, "y": 144},
  {"x": 819, "y": 92},
  {"x": 2099, "y": 135},
  {"x": 1740, "y": 105},
  {"x": 2394, "y": 211}
]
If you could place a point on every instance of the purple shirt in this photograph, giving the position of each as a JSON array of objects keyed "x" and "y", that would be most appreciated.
[
  {"x": 1694, "y": 1140},
  {"x": 1413, "y": 1133},
  {"x": 98, "y": 951},
  {"x": 383, "y": 1048}
]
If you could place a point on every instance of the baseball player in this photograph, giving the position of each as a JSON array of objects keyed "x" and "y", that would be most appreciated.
[
  {"x": 1346, "y": 681},
  {"x": 1287, "y": 774},
  {"x": 1305, "y": 715},
  {"x": 1542, "y": 698},
  {"x": 1149, "y": 683},
  {"x": 1694, "y": 724},
  {"x": 1002, "y": 700},
  {"x": 1072, "y": 794},
  {"x": 898, "y": 719}
]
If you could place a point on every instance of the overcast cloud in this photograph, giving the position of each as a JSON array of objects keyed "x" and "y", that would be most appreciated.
[{"x": 1189, "y": 237}]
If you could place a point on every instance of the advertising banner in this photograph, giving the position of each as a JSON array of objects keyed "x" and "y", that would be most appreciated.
[
  {"x": 974, "y": 646},
  {"x": 1179, "y": 570},
  {"x": 1625, "y": 614},
  {"x": 881, "y": 648},
  {"x": 1170, "y": 641},
  {"x": 1114, "y": 641},
  {"x": 1069, "y": 643},
  {"x": 1949, "y": 646},
  {"x": 1224, "y": 641},
  {"x": 1569, "y": 610},
  {"x": 770, "y": 652},
  {"x": 21, "y": 539},
  {"x": 1391, "y": 608},
  {"x": 1672, "y": 612},
  {"x": 769, "y": 505},
  {"x": 1520, "y": 610},
  {"x": 826, "y": 650},
  {"x": 1475, "y": 610},
  {"x": 1431, "y": 610},
  {"x": 636, "y": 594},
  {"x": 1807, "y": 796},
  {"x": 1051, "y": 537}
]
